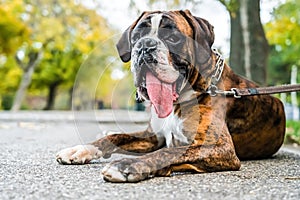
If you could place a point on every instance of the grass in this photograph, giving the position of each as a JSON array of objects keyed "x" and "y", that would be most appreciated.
[{"x": 292, "y": 135}]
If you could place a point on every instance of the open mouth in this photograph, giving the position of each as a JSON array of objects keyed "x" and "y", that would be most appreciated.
[{"x": 161, "y": 94}]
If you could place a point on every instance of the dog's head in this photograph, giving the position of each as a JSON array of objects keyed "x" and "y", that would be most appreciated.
[{"x": 167, "y": 50}]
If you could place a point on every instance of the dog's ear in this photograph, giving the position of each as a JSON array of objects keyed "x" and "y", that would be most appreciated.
[
  {"x": 208, "y": 29},
  {"x": 203, "y": 30},
  {"x": 124, "y": 44}
]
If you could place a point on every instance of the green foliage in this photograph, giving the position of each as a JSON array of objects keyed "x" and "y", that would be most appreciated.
[
  {"x": 9, "y": 76},
  {"x": 77, "y": 31},
  {"x": 64, "y": 31},
  {"x": 278, "y": 71},
  {"x": 283, "y": 34},
  {"x": 13, "y": 31},
  {"x": 292, "y": 132},
  {"x": 6, "y": 102}
]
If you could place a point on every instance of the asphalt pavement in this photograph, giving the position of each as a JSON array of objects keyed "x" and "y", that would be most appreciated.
[{"x": 28, "y": 169}]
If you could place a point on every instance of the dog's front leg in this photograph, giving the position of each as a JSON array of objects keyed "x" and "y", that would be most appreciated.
[
  {"x": 215, "y": 154},
  {"x": 131, "y": 143},
  {"x": 167, "y": 160}
]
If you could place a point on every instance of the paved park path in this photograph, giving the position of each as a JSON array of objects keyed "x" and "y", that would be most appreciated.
[{"x": 28, "y": 169}]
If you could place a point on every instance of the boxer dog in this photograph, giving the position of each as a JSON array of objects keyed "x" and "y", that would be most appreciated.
[{"x": 190, "y": 130}]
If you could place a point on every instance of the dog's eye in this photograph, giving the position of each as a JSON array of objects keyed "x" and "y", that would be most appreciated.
[
  {"x": 135, "y": 37},
  {"x": 173, "y": 39}
]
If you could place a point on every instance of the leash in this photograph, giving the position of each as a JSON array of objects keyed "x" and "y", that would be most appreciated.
[{"x": 238, "y": 93}]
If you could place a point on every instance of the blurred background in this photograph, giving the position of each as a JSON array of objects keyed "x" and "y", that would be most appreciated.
[{"x": 43, "y": 44}]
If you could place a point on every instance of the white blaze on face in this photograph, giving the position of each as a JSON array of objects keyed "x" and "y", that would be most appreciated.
[
  {"x": 161, "y": 75},
  {"x": 155, "y": 22}
]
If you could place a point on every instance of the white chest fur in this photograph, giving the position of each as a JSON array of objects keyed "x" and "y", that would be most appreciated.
[{"x": 170, "y": 128}]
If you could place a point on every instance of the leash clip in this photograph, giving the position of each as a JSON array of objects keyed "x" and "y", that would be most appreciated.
[
  {"x": 235, "y": 93},
  {"x": 214, "y": 91}
]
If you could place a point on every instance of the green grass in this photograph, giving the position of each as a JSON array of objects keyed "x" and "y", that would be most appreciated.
[{"x": 292, "y": 132}]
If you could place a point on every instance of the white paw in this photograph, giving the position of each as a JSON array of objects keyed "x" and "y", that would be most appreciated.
[
  {"x": 126, "y": 170},
  {"x": 80, "y": 154},
  {"x": 112, "y": 174}
]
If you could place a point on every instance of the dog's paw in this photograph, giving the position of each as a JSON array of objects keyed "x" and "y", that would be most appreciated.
[
  {"x": 126, "y": 170},
  {"x": 80, "y": 154}
]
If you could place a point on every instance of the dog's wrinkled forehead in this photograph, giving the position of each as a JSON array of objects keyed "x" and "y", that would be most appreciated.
[
  {"x": 150, "y": 23},
  {"x": 157, "y": 22}
]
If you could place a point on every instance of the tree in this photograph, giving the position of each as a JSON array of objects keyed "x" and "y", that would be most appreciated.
[
  {"x": 283, "y": 33},
  {"x": 10, "y": 77},
  {"x": 62, "y": 34},
  {"x": 248, "y": 44},
  {"x": 57, "y": 68},
  {"x": 13, "y": 33},
  {"x": 34, "y": 56},
  {"x": 79, "y": 30}
]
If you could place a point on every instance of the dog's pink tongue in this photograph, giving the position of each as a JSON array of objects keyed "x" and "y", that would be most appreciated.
[{"x": 161, "y": 95}]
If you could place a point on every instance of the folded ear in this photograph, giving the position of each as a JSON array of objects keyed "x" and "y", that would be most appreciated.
[
  {"x": 208, "y": 29},
  {"x": 124, "y": 44},
  {"x": 203, "y": 30}
]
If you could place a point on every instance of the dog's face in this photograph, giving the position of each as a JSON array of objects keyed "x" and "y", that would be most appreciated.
[{"x": 167, "y": 50}]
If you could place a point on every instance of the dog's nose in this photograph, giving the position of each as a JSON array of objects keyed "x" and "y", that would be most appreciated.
[{"x": 147, "y": 45}]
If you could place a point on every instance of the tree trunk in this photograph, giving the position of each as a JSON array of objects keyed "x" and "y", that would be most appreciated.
[
  {"x": 246, "y": 36},
  {"x": 248, "y": 46},
  {"x": 294, "y": 94},
  {"x": 259, "y": 46},
  {"x": 70, "y": 101},
  {"x": 51, "y": 96},
  {"x": 34, "y": 58},
  {"x": 236, "y": 60}
]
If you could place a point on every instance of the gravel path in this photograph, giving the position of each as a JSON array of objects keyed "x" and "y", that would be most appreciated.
[{"x": 28, "y": 169}]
